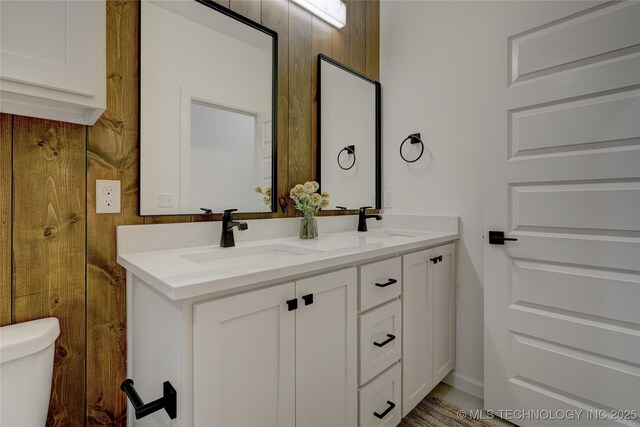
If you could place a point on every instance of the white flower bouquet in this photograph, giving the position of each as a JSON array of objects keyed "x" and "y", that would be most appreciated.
[
  {"x": 306, "y": 198},
  {"x": 309, "y": 202}
]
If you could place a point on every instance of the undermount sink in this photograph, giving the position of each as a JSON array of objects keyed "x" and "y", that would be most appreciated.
[
  {"x": 233, "y": 257},
  {"x": 389, "y": 234}
]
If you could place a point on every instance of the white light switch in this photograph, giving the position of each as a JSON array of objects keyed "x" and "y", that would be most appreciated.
[
  {"x": 165, "y": 200},
  {"x": 107, "y": 196}
]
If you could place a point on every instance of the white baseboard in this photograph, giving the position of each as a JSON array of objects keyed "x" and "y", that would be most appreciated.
[{"x": 466, "y": 384}]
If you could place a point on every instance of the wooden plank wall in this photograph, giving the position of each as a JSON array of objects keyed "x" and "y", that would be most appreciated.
[{"x": 58, "y": 258}]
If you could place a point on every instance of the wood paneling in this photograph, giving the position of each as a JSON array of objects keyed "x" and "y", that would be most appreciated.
[
  {"x": 64, "y": 254},
  {"x": 299, "y": 96},
  {"x": 321, "y": 42},
  {"x": 357, "y": 34},
  {"x": 372, "y": 48},
  {"x": 340, "y": 42},
  {"x": 113, "y": 154},
  {"x": 5, "y": 219},
  {"x": 251, "y": 9},
  {"x": 275, "y": 15},
  {"x": 49, "y": 248}
]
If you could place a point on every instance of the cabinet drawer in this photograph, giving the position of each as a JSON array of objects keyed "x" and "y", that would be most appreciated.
[
  {"x": 380, "y": 282},
  {"x": 380, "y": 400},
  {"x": 380, "y": 339}
]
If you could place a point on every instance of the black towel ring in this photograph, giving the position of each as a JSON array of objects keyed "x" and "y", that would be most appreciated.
[
  {"x": 351, "y": 149},
  {"x": 415, "y": 139}
]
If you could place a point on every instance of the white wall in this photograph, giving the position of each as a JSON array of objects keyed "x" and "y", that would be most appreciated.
[{"x": 431, "y": 75}]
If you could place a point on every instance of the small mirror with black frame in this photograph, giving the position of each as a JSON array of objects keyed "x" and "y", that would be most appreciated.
[
  {"x": 208, "y": 110},
  {"x": 348, "y": 151}
]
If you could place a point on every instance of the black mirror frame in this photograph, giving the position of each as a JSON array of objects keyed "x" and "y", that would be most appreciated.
[
  {"x": 274, "y": 102},
  {"x": 378, "y": 130}
]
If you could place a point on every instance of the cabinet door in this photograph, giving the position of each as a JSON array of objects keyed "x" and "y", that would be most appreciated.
[
  {"x": 326, "y": 356},
  {"x": 53, "y": 59},
  {"x": 243, "y": 359},
  {"x": 417, "y": 371},
  {"x": 443, "y": 315}
]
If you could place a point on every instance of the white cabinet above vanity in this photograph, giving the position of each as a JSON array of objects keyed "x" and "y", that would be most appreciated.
[
  {"x": 53, "y": 59},
  {"x": 283, "y": 331}
]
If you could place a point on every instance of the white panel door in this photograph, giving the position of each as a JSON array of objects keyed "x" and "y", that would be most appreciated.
[
  {"x": 244, "y": 360},
  {"x": 326, "y": 354},
  {"x": 562, "y": 175}
]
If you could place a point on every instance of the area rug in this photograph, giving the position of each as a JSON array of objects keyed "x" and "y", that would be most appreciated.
[{"x": 439, "y": 413}]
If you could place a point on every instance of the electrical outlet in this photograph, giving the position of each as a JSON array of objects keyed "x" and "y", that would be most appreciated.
[
  {"x": 107, "y": 196},
  {"x": 165, "y": 200},
  {"x": 388, "y": 202}
]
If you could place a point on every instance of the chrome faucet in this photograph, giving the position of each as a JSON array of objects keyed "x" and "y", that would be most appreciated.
[
  {"x": 363, "y": 217},
  {"x": 226, "y": 238}
]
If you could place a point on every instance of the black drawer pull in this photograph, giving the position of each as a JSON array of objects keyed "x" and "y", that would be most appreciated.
[
  {"x": 386, "y": 411},
  {"x": 292, "y": 304},
  {"x": 308, "y": 299},
  {"x": 384, "y": 285},
  {"x": 385, "y": 342}
]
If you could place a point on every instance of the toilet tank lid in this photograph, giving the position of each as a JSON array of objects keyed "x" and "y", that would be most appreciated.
[{"x": 23, "y": 339}]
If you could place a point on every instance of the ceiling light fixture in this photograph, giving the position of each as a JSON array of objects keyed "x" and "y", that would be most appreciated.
[{"x": 332, "y": 11}]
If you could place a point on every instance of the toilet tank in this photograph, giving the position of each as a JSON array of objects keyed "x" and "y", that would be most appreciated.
[{"x": 26, "y": 368}]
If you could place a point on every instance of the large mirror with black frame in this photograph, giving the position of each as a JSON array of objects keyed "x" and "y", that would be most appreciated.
[
  {"x": 208, "y": 101},
  {"x": 349, "y": 163}
]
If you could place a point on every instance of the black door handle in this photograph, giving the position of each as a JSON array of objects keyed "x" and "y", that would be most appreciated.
[
  {"x": 497, "y": 238},
  {"x": 386, "y": 411},
  {"x": 436, "y": 259},
  {"x": 308, "y": 299},
  {"x": 385, "y": 342},
  {"x": 384, "y": 285},
  {"x": 292, "y": 304}
]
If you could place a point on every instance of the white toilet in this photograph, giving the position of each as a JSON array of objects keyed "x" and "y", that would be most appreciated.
[{"x": 26, "y": 368}]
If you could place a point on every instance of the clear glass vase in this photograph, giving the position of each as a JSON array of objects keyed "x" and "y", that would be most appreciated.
[{"x": 308, "y": 227}]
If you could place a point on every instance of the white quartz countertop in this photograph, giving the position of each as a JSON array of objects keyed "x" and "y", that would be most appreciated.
[{"x": 210, "y": 270}]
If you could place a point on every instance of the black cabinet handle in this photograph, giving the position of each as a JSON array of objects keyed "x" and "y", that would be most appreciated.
[
  {"x": 308, "y": 299},
  {"x": 385, "y": 342},
  {"x": 384, "y": 285},
  {"x": 292, "y": 304},
  {"x": 437, "y": 259},
  {"x": 386, "y": 411}
]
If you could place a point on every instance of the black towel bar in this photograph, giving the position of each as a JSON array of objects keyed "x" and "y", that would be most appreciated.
[{"x": 167, "y": 401}]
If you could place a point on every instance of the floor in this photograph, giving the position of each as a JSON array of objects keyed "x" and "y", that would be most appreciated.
[{"x": 464, "y": 401}]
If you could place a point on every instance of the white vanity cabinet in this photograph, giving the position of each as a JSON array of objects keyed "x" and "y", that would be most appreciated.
[
  {"x": 283, "y": 355},
  {"x": 53, "y": 59},
  {"x": 358, "y": 339},
  {"x": 428, "y": 309}
]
